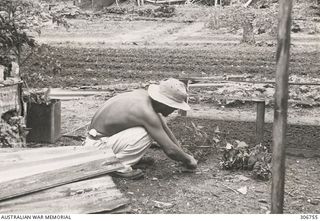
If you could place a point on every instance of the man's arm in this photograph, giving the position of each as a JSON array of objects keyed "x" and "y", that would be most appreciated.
[
  {"x": 153, "y": 125},
  {"x": 167, "y": 130},
  {"x": 174, "y": 139}
]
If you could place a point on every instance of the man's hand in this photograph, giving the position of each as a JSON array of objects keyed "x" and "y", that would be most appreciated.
[{"x": 192, "y": 163}]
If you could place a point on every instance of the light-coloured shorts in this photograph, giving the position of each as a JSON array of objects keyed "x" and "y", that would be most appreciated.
[{"x": 128, "y": 145}]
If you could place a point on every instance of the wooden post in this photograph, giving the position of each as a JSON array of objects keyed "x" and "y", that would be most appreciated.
[
  {"x": 21, "y": 109},
  {"x": 281, "y": 107},
  {"x": 260, "y": 121},
  {"x": 182, "y": 112}
]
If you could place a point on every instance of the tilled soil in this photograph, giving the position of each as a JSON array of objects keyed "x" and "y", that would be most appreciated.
[
  {"x": 74, "y": 67},
  {"x": 165, "y": 187}
]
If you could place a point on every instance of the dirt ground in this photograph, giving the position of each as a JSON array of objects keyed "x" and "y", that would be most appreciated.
[
  {"x": 130, "y": 50},
  {"x": 166, "y": 188}
]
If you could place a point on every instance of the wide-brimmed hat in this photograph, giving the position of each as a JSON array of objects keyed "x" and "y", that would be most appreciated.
[{"x": 171, "y": 92}]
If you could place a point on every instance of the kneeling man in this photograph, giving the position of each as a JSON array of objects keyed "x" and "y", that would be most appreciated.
[{"x": 128, "y": 124}]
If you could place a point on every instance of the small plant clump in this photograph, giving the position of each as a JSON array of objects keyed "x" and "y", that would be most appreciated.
[
  {"x": 240, "y": 156},
  {"x": 166, "y": 11},
  {"x": 37, "y": 96},
  {"x": 115, "y": 10},
  {"x": 163, "y": 11}
]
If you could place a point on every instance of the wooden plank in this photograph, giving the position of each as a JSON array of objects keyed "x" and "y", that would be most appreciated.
[
  {"x": 88, "y": 196},
  {"x": 217, "y": 82},
  {"x": 281, "y": 107},
  {"x": 28, "y": 168},
  {"x": 42, "y": 181},
  {"x": 216, "y": 78},
  {"x": 257, "y": 99},
  {"x": 36, "y": 154},
  {"x": 26, "y": 175},
  {"x": 219, "y": 79},
  {"x": 65, "y": 98},
  {"x": 77, "y": 92},
  {"x": 206, "y": 84}
]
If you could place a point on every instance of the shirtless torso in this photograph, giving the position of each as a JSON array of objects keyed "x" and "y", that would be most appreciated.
[
  {"x": 133, "y": 109},
  {"x": 122, "y": 112}
]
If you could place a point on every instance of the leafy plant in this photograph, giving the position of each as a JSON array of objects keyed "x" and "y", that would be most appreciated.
[
  {"x": 20, "y": 21},
  {"x": 37, "y": 96},
  {"x": 238, "y": 155},
  {"x": 13, "y": 130},
  {"x": 14, "y": 26}
]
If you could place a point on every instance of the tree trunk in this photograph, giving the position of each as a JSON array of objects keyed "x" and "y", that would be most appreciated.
[{"x": 248, "y": 35}]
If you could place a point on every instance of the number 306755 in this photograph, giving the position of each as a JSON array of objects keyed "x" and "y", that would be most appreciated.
[{"x": 309, "y": 217}]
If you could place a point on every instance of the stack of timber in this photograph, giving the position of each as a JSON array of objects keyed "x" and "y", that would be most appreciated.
[{"x": 64, "y": 180}]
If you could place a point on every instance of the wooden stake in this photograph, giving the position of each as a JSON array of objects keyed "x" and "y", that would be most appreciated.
[
  {"x": 182, "y": 112},
  {"x": 281, "y": 107},
  {"x": 260, "y": 121}
]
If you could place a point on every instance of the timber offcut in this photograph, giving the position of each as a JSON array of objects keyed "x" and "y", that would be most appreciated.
[{"x": 60, "y": 180}]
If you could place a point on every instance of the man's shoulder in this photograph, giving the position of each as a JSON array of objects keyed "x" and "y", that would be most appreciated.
[
  {"x": 143, "y": 108},
  {"x": 148, "y": 115}
]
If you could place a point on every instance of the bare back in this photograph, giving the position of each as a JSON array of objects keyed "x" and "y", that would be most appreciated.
[
  {"x": 122, "y": 112},
  {"x": 134, "y": 109}
]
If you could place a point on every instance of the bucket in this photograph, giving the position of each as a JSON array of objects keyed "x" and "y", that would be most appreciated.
[{"x": 44, "y": 120}]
